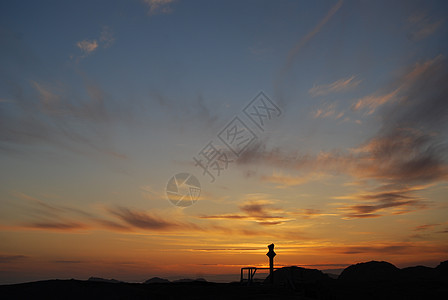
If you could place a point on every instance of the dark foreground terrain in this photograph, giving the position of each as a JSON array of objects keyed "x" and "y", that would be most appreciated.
[
  {"x": 331, "y": 289},
  {"x": 370, "y": 280}
]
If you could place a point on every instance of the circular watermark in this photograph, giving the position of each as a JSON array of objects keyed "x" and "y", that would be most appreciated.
[{"x": 183, "y": 189}]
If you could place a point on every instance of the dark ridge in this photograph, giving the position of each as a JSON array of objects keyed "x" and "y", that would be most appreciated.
[
  {"x": 200, "y": 290},
  {"x": 99, "y": 279},
  {"x": 369, "y": 280},
  {"x": 186, "y": 280},
  {"x": 156, "y": 280},
  {"x": 371, "y": 271}
]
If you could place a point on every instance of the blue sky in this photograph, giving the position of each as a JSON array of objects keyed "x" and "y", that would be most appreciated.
[{"x": 102, "y": 102}]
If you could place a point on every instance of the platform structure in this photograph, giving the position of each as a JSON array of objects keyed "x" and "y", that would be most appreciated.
[
  {"x": 250, "y": 274},
  {"x": 252, "y": 270}
]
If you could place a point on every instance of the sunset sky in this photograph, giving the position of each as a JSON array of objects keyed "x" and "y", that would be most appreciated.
[{"x": 102, "y": 102}]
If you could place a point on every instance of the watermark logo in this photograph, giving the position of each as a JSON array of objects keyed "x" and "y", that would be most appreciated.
[
  {"x": 261, "y": 110},
  {"x": 230, "y": 143},
  {"x": 237, "y": 136},
  {"x": 183, "y": 189}
]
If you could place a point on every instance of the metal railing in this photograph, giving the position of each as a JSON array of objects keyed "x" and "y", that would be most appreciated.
[{"x": 250, "y": 274}]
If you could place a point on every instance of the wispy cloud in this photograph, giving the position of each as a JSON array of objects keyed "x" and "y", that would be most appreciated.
[
  {"x": 388, "y": 249},
  {"x": 59, "y": 226},
  {"x": 400, "y": 90},
  {"x": 51, "y": 217},
  {"x": 403, "y": 162},
  {"x": 372, "y": 102},
  {"x": 8, "y": 258},
  {"x": 43, "y": 215},
  {"x": 328, "y": 110},
  {"x": 112, "y": 225},
  {"x": 159, "y": 6},
  {"x": 67, "y": 261},
  {"x": 406, "y": 156},
  {"x": 88, "y": 46},
  {"x": 142, "y": 220},
  {"x": 107, "y": 37},
  {"x": 340, "y": 85},
  {"x": 425, "y": 227},
  {"x": 54, "y": 113},
  {"x": 293, "y": 53},
  {"x": 284, "y": 180},
  {"x": 310, "y": 213},
  {"x": 50, "y": 114},
  {"x": 260, "y": 211},
  {"x": 423, "y": 26},
  {"x": 388, "y": 201}
]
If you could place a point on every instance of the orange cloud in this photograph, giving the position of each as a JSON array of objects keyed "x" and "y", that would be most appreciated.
[
  {"x": 144, "y": 220},
  {"x": 425, "y": 227},
  {"x": 59, "y": 226},
  {"x": 340, "y": 85},
  {"x": 372, "y": 102},
  {"x": 259, "y": 211},
  {"x": 284, "y": 180},
  {"x": 87, "y": 46}
]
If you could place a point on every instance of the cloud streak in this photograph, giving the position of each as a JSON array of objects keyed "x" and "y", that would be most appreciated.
[
  {"x": 142, "y": 220},
  {"x": 6, "y": 258},
  {"x": 328, "y": 111},
  {"x": 389, "y": 201},
  {"x": 294, "y": 52},
  {"x": 87, "y": 47},
  {"x": 260, "y": 211},
  {"x": 402, "y": 89},
  {"x": 340, "y": 85},
  {"x": 285, "y": 180},
  {"x": 58, "y": 226},
  {"x": 158, "y": 6},
  {"x": 123, "y": 219},
  {"x": 407, "y": 155},
  {"x": 422, "y": 26},
  {"x": 51, "y": 115},
  {"x": 44, "y": 216},
  {"x": 303, "y": 41}
]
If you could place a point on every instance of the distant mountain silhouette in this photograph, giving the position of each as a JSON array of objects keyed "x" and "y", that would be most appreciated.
[
  {"x": 191, "y": 280},
  {"x": 99, "y": 279},
  {"x": 371, "y": 271},
  {"x": 378, "y": 281},
  {"x": 384, "y": 271},
  {"x": 157, "y": 280},
  {"x": 294, "y": 276}
]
